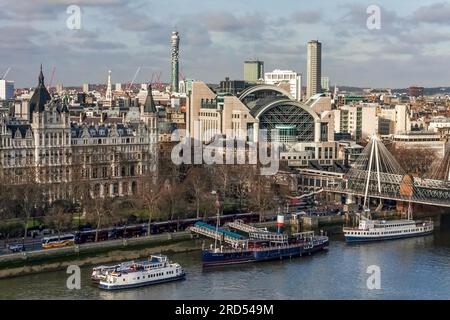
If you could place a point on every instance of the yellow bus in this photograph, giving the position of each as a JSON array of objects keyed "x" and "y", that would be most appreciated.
[{"x": 57, "y": 242}]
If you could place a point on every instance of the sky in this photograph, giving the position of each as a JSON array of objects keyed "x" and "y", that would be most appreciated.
[{"x": 411, "y": 47}]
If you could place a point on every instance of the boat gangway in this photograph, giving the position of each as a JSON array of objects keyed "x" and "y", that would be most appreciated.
[
  {"x": 220, "y": 234},
  {"x": 241, "y": 226},
  {"x": 269, "y": 236}
]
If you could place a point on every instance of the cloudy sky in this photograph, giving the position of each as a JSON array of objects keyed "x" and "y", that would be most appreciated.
[{"x": 411, "y": 48}]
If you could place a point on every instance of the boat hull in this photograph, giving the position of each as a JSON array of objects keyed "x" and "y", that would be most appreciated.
[
  {"x": 282, "y": 253},
  {"x": 353, "y": 238},
  {"x": 239, "y": 257},
  {"x": 140, "y": 284}
]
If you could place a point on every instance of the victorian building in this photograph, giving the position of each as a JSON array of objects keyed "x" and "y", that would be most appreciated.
[{"x": 49, "y": 149}]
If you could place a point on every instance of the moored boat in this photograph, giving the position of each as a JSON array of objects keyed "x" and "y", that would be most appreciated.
[
  {"x": 157, "y": 270},
  {"x": 376, "y": 230},
  {"x": 257, "y": 250},
  {"x": 100, "y": 272}
]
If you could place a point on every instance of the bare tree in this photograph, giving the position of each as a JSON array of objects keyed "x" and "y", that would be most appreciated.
[
  {"x": 30, "y": 196},
  {"x": 101, "y": 212},
  {"x": 149, "y": 196},
  {"x": 417, "y": 161},
  {"x": 261, "y": 195},
  {"x": 241, "y": 179},
  {"x": 59, "y": 216},
  {"x": 198, "y": 181},
  {"x": 172, "y": 199}
]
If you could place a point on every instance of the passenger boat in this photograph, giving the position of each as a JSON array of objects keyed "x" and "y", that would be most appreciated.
[
  {"x": 373, "y": 165},
  {"x": 373, "y": 230},
  {"x": 157, "y": 269},
  {"x": 257, "y": 250},
  {"x": 99, "y": 273}
]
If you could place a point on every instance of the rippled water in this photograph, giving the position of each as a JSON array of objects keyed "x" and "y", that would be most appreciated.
[{"x": 416, "y": 268}]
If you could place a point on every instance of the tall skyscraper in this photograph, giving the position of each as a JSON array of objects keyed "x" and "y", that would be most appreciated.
[
  {"x": 314, "y": 68},
  {"x": 253, "y": 71},
  {"x": 59, "y": 88},
  {"x": 175, "y": 41},
  {"x": 86, "y": 87},
  {"x": 6, "y": 89}
]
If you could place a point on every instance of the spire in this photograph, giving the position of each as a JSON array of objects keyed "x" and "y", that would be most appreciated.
[
  {"x": 149, "y": 105},
  {"x": 108, "y": 94},
  {"x": 41, "y": 77},
  {"x": 39, "y": 98}
]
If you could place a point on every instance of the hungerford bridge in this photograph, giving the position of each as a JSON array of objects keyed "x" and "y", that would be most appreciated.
[{"x": 377, "y": 174}]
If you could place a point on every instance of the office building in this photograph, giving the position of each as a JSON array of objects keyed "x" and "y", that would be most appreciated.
[
  {"x": 253, "y": 71},
  {"x": 394, "y": 120},
  {"x": 86, "y": 87},
  {"x": 304, "y": 135},
  {"x": 6, "y": 89},
  {"x": 291, "y": 78},
  {"x": 231, "y": 86},
  {"x": 59, "y": 88},
  {"x": 415, "y": 91},
  {"x": 314, "y": 68},
  {"x": 325, "y": 84},
  {"x": 360, "y": 121}
]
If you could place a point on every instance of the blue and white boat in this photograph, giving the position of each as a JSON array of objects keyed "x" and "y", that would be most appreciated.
[
  {"x": 156, "y": 270},
  {"x": 298, "y": 245},
  {"x": 376, "y": 230}
]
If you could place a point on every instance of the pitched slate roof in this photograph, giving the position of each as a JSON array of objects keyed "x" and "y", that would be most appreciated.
[
  {"x": 149, "y": 105},
  {"x": 40, "y": 96}
]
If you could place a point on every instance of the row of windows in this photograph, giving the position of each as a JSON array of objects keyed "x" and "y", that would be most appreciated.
[
  {"x": 294, "y": 157},
  {"x": 105, "y": 141},
  {"x": 417, "y": 139},
  {"x": 383, "y": 232},
  {"x": 328, "y": 153},
  {"x": 153, "y": 275},
  {"x": 276, "y": 76},
  {"x": 208, "y": 114},
  {"x": 7, "y": 142}
]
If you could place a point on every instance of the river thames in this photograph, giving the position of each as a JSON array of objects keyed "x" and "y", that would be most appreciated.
[{"x": 415, "y": 268}]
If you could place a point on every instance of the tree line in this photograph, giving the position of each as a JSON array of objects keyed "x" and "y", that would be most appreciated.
[{"x": 174, "y": 192}]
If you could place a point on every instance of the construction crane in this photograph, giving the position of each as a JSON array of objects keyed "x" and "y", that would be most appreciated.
[
  {"x": 181, "y": 74},
  {"x": 51, "y": 79},
  {"x": 6, "y": 73},
  {"x": 134, "y": 78},
  {"x": 157, "y": 83}
]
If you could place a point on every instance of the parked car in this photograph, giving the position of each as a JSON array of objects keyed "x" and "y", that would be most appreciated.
[{"x": 16, "y": 247}]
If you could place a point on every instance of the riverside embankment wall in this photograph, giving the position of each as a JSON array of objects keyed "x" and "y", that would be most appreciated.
[{"x": 95, "y": 253}]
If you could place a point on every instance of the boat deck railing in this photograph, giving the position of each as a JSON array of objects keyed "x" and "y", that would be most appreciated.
[
  {"x": 241, "y": 226},
  {"x": 269, "y": 236},
  {"x": 307, "y": 244},
  {"x": 220, "y": 234}
]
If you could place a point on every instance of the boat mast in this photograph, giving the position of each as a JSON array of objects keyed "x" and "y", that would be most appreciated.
[{"x": 217, "y": 204}]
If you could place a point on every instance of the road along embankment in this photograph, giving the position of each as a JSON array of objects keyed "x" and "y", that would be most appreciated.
[{"x": 95, "y": 253}]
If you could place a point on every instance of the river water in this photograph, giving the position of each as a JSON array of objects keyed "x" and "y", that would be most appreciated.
[{"x": 415, "y": 268}]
